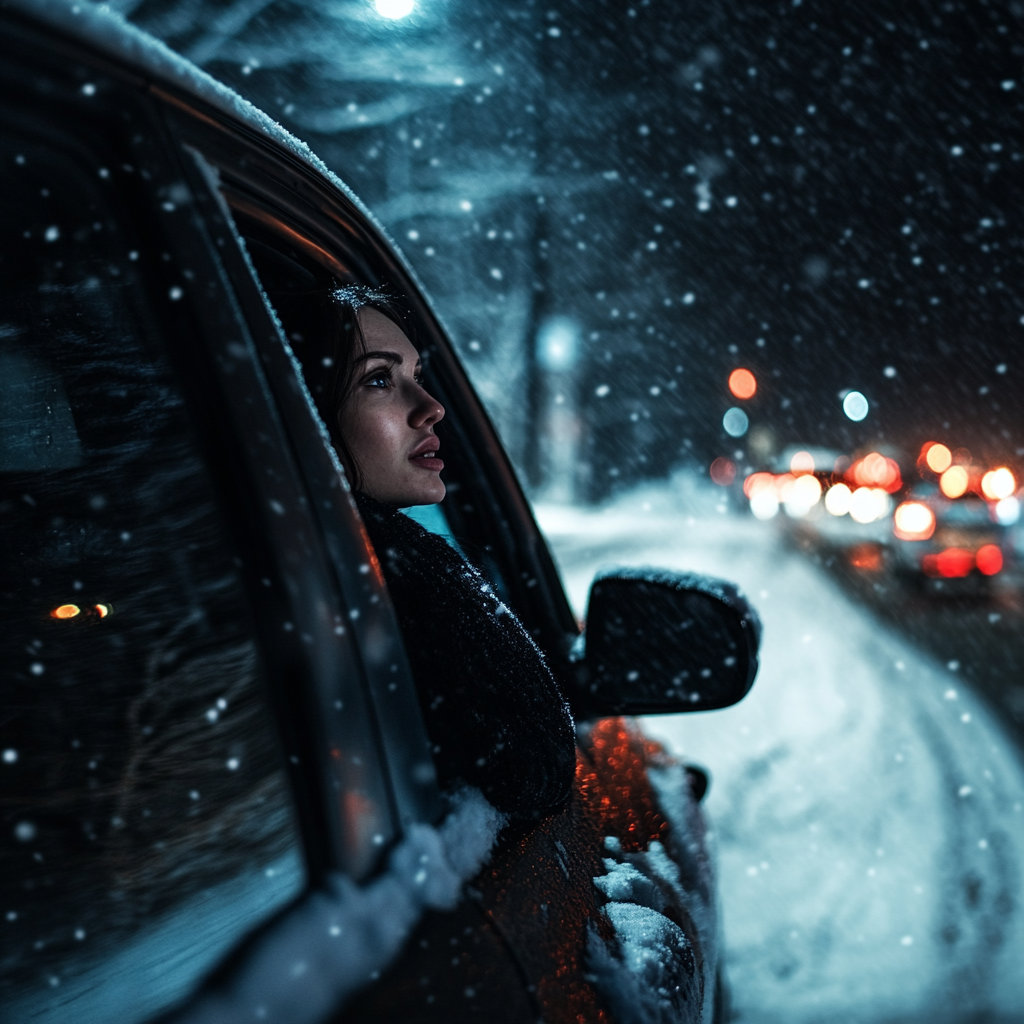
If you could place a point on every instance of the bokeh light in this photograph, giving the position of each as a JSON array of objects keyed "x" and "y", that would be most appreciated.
[
  {"x": 951, "y": 563},
  {"x": 735, "y": 422},
  {"x": 394, "y": 10},
  {"x": 875, "y": 470},
  {"x": 65, "y": 611},
  {"x": 723, "y": 472},
  {"x": 954, "y": 482},
  {"x": 869, "y": 504},
  {"x": 855, "y": 405},
  {"x": 801, "y": 495},
  {"x": 998, "y": 484},
  {"x": 742, "y": 383},
  {"x": 764, "y": 504},
  {"x": 989, "y": 559},
  {"x": 939, "y": 458},
  {"x": 837, "y": 500},
  {"x": 802, "y": 462},
  {"x": 913, "y": 521},
  {"x": 757, "y": 482},
  {"x": 1008, "y": 511}
]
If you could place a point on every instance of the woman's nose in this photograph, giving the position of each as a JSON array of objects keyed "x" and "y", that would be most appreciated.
[{"x": 427, "y": 411}]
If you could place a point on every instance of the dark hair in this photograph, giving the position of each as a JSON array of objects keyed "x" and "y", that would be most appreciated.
[{"x": 328, "y": 345}]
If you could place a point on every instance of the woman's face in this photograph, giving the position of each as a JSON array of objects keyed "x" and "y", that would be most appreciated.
[{"x": 388, "y": 419}]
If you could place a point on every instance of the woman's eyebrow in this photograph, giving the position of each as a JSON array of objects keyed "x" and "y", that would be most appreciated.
[{"x": 391, "y": 357}]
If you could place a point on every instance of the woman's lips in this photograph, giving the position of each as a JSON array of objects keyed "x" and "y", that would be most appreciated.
[{"x": 428, "y": 460}]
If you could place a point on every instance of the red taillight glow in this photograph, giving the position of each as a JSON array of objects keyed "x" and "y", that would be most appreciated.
[
  {"x": 913, "y": 521},
  {"x": 989, "y": 560},
  {"x": 951, "y": 563},
  {"x": 65, "y": 611}
]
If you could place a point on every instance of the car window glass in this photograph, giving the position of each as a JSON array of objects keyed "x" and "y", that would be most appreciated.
[{"x": 148, "y": 823}]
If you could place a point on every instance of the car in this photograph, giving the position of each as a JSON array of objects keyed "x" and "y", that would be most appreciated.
[
  {"x": 943, "y": 539},
  {"x": 219, "y": 798}
]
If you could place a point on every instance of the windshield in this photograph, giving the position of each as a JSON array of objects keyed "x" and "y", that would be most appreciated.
[{"x": 739, "y": 285}]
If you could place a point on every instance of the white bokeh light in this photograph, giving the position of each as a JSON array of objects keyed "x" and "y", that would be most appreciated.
[
  {"x": 855, "y": 405},
  {"x": 735, "y": 422},
  {"x": 1008, "y": 511},
  {"x": 394, "y": 10}
]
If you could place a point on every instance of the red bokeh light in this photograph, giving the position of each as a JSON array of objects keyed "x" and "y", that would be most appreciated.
[
  {"x": 723, "y": 471},
  {"x": 875, "y": 470},
  {"x": 742, "y": 383},
  {"x": 989, "y": 560},
  {"x": 950, "y": 563}
]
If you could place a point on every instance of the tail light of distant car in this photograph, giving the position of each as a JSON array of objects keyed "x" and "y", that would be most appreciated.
[
  {"x": 952, "y": 563},
  {"x": 989, "y": 559},
  {"x": 949, "y": 563}
]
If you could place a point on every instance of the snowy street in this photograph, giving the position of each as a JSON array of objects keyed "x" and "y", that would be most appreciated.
[{"x": 868, "y": 808}]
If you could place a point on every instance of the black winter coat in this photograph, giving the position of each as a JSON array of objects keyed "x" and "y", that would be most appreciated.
[{"x": 493, "y": 711}]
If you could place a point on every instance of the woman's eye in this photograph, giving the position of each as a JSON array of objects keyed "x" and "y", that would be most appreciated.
[{"x": 379, "y": 380}]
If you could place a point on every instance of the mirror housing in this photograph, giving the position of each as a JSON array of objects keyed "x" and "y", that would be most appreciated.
[{"x": 661, "y": 642}]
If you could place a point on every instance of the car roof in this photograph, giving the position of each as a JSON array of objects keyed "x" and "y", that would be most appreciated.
[{"x": 132, "y": 49}]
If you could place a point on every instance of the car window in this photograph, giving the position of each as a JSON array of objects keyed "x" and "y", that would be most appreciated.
[{"x": 147, "y": 817}]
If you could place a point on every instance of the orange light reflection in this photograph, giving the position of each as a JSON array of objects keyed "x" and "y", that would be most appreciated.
[
  {"x": 938, "y": 457},
  {"x": 742, "y": 383}
]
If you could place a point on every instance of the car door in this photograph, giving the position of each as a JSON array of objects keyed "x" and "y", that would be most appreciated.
[{"x": 191, "y": 730}]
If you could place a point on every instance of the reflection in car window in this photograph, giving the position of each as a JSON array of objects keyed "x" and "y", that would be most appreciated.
[{"x": 147, "y": 819}]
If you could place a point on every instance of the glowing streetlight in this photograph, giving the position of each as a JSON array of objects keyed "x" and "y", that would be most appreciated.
[{"x": 394, "y": 10}]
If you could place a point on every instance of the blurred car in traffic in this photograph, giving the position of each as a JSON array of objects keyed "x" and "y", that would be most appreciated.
[{"x": 956, "y": 521}]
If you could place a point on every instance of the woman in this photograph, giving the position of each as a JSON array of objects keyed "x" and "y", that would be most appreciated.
[{"x": 492, "y": 708}]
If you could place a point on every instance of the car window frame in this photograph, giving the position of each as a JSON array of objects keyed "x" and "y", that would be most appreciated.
[
  {"x": 487, "y": 508},
  {"x": 348, "y": 552}
]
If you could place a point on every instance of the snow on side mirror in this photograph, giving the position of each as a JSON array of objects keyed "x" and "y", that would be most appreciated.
[{"x": 661, "y": 642}]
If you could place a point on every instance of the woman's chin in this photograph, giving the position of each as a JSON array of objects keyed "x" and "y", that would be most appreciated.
[{"x": 427, "y": 492}]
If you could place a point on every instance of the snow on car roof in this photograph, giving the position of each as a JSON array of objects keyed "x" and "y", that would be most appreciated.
[{"x": 108, "y": 32}]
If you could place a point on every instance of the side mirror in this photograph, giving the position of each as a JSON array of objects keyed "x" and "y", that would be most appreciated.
[{"x": 662, "y": 642}]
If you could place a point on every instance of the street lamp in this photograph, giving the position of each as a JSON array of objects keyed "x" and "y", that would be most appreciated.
[{"x": 394, "y": 10}]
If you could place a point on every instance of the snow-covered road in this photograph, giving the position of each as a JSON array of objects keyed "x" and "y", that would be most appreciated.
[{"x": 869, "y": 810}]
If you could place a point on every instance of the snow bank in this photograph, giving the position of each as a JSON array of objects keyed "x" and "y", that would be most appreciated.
[
  {"x": 336, "y": 941},
  {"x": 869, "y": 810}
]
